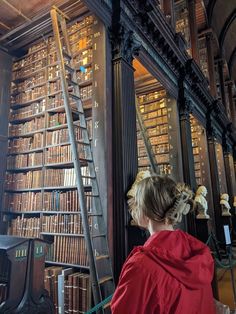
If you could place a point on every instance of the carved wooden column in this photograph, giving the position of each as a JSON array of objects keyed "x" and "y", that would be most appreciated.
[
  {"x": 232, "y": 110},
  {"x": 211, "y": 139},
  {"x": 229, "y": 169},
  {"x": 210, "y": 61},
  {"x": 193, "y": 30},
  {"x": 5, "y": 83},
  {"x": 124, "y": 146},
  {"x": 168, "y": 9},
  {"x": 184, "y": 106},
  {"x": 220, "y": 65}
]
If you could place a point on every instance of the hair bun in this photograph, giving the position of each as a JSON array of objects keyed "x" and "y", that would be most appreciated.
[{"x": 182, "y": 203}]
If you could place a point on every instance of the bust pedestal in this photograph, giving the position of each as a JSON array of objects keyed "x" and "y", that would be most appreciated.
[{"x": 202, "y": 229}]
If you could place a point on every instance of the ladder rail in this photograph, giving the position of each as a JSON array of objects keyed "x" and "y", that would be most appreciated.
[
  {"x": 146, "y": 140},
  {"x": 80, "y": 187}
]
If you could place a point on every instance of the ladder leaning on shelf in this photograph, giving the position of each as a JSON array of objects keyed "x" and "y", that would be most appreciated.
[
  {"x": 148, "y": 145},
  {"x": 95, "y": 235}
]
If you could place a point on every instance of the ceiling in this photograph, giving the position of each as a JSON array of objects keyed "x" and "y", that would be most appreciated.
[
  {"x": 18, "y": 19},
  {"x": 221, "y": 16}
]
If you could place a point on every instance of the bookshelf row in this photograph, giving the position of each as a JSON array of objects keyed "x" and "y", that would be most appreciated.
[
  {"x": 43, "y": 201},
  {"x": 154, "y": 113}
]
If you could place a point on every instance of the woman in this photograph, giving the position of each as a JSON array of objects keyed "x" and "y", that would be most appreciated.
[{"x": 172, "y": 272}]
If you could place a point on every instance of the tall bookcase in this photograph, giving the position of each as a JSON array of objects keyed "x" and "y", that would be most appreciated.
[
  {"x": 182, "y": 21},
  {"x": 217, "y": 81},
  {"x": 221, "y": 167},
  {"x": 201, "y": 159},
  {"x": 41, "y": 198},
  {"x": 202, "y": 48},
  {"x": 160, "y": 118}
]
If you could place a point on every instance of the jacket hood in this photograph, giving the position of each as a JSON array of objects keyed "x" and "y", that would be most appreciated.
[{"x": 182, "y": 256}]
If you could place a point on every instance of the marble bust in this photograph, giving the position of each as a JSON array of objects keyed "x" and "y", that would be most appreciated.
[
  {"x": 234, "y": 204},
  {"x": 224, "y": 203},
  {"x": 201, "y": 202}
]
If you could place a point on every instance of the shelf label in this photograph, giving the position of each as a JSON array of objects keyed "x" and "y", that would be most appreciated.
[
  {"x": 96, "y": 67},
  {"x": 96, "y": 35}
]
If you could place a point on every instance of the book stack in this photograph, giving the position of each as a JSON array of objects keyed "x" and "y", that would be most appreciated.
[
  {"x": 70, "y": 291},
  {"x": 23, "y": 202},
  {"x": 25, "y": 227}
]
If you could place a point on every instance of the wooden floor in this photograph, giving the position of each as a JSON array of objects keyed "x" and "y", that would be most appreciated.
[{"x": 225, "y": 287}]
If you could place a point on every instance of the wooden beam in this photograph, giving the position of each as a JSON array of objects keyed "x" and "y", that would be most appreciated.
[
  {"x": 16, "y": 10},
  {"x": 5, "y": 26}
]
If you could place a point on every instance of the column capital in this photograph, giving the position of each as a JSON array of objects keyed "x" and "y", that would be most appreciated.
[
  {"x": 124, "y": 43},
  {"x": 229, "y": 83}
]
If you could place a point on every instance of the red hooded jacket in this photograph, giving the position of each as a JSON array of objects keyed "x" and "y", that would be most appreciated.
[{"x": 170, "y": 274}]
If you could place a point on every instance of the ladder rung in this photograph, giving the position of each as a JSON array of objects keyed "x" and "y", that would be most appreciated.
[
  {"x": 86, "y": 159},
  {"x": 72, "y": 82},
  {"x": 99, "y": 235},
  {"x": 89, "y": 177},
  {"x": 69, "y": 68},
  {"x": 80, "y": 127},
  {"x": 74, "y": 96},
  {"x": 83, "y": 143},
  {"x": 95, "y": 214},
  {"x": 105, "y": 279},
  {"x": 102, "y": 257},
  {"x": 66, "y": 55}
]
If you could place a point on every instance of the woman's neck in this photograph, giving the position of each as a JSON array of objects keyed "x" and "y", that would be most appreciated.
[{"x": 154, "y": 226}]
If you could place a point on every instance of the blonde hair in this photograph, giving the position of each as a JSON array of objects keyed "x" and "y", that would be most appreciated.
[{"x": 158, "y": 198}]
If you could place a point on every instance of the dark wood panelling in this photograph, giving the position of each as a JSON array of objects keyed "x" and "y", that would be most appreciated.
[
  {"x": 124, "y": 154},
  {"x": 5, "y": 81}
]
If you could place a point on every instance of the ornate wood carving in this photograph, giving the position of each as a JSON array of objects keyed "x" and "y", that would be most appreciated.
[{"x": 211, "y": 139}]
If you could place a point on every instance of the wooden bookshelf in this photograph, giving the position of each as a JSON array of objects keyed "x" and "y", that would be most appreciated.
[
  {"x": 182, "y": 21},
  {"x": 202, "y": 48},
  {"x": 221, "y": 168},
  {"x": 201, "y": 160},
  {"x": 41, "y": 199},
  {"x": 158, "y": 112}
]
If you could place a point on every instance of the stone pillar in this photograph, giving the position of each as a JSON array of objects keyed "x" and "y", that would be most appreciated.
[
  {"x": 184, "y": 106},
  {"x": 210, "y": 61},
  {"x": 193, "y": 30}
]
